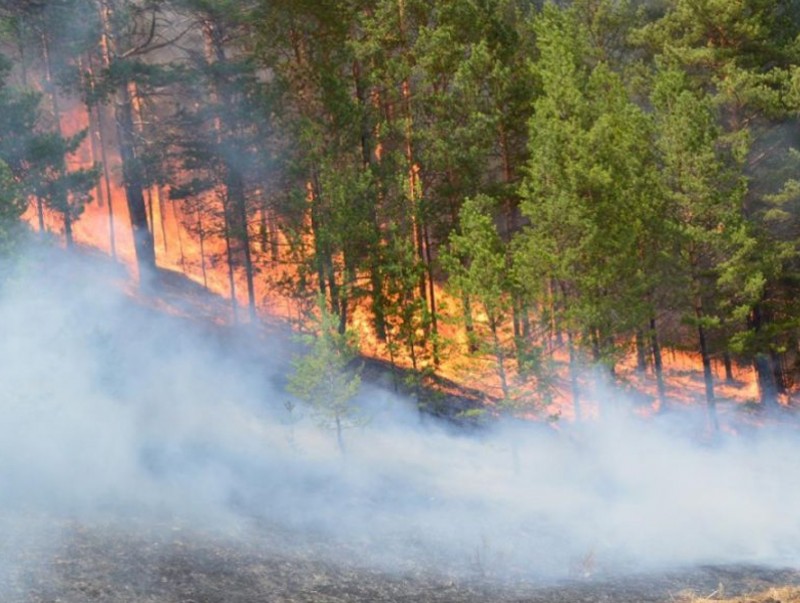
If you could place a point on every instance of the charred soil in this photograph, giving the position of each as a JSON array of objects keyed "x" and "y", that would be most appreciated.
[{"x": 106, "y": 563}]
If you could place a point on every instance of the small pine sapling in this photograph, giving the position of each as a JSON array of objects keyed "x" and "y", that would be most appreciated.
[{"x": 324, "y": 378}]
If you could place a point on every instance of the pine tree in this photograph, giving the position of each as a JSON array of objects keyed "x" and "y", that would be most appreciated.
[
  {"x": 585, "y": 192},
  {"x": 323, "y": 377},
  {"x": 54, "y": 32},
  {"x": 741, "y": 54},
  {"x": 477, "y": 262},
  {"x": 705, "y": 188},
  {"x": 124, "y": 40},
  {"x": 30, "y": 157},
  {"x": 218, "y": 133}
]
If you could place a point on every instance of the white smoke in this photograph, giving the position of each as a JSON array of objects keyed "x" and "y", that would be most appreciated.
[{"x": 111, "y": 411}]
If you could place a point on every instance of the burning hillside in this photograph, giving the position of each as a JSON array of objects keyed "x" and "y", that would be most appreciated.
[
  {"x": 280, "y": 153},
  {"x": 145, "y": 459},
  {"x": 582, "y": 214}
]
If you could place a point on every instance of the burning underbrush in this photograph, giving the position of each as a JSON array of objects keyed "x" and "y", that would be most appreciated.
[{"x": 148, "y": 457}]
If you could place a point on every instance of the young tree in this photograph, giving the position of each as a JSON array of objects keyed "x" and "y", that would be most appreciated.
[
  {"x": 323, "y": 377},
  {"x": 477, "y": 262}
]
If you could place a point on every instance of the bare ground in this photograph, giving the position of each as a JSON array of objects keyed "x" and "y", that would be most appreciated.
[{"x": 109, "y": 564}]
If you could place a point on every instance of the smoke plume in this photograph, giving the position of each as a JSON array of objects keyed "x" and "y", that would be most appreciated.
[{"x": 114, "y": 411}]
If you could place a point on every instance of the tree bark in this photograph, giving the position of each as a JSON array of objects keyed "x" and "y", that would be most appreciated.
[
  {"x": 101, "y": 144},
  {"x": 469, "y": 326},
  {"x": 131, "y": 174},
  {"x": 339, "y": 436},
  {"x": 233, "y": 180},
  {"x": 61, "y": 201},
  {"x": 708, "y": 375},
  {"x": 432, "y": 297},
  {"x": 231, "y": 271},
  {"x": 726, "y": 361},
  {"x": 641, "y": 354},
  {"x": 201, "y": 235},
  {"x": 134, "y": 186},
  {"x": 369, "y": 161},
  {"x": 762, "y": 363},
  {"x": 500, "y": 358},
  {"x": 236, "y": 196},
  {"x": 573, "y": 376},
  {"x": 658, "y": 365}
]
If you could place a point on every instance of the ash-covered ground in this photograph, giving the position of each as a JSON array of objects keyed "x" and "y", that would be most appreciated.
[
  {"x": 116, "y": 564},
  {"x": 146, "y": 456}
]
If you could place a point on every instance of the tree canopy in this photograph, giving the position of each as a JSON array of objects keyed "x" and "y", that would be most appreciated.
[{"x": 518, "y": 179}]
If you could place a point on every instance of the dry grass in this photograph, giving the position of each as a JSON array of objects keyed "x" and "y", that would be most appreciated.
[{"x": 772, "y": 595}]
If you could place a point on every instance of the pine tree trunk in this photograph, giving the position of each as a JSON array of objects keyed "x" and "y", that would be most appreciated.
[
  {"x": 101, "y": 143},
  {"x": 573, "y": 360},
  {"x": 762, "y": 363},
  {"x": 726, "y": 360},
  {"x": 339, "y": 436},
  {"x": 61, "y": 200},
  {"x": 708, "y": 375},
  {"x": 160, "y": 203},
  {"x": 85, "y": 68},
  {"x": 766, "y": 380},
  {"x": 778, "y": 371},
  {"x": 23, "y": 57},
  {"x": 595, "y": 337},
  {"x": 201, "y": 235},
  {"x": 233, "y": 181},
  {"x": 333, "y": 286},
  {"x": 231, "y": 271},
  {"x": 521, "y": 333},
  {"x": 499, "y": 358},
  {"x": 131, "y": 177},
  {"x": 392, "y": 363},
  {"x": 369, "y": 161},
  {"x": 573, "y": 376},
  {"x": 469, "y": 326},
  {"x": 641, "y": 354},
  {"x": 40, "y": 213},
  {"x": 555, "y": 329},
  {"x": 432, "y": 297},
  {"x": 148, "y": 201},
  {"x": 263, "y": 237},
  {"x": 273, "y": 231},
  {"x": 180, "y": 238},
  {"x": 236, "y": 197},
  {"x": 134, "y": 186},
  {"x": 658, "y": 366}
]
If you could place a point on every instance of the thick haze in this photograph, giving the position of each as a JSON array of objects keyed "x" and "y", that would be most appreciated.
[{"x": 112, "y": 411}]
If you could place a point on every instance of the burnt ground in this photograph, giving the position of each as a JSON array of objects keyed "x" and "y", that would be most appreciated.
[{"x": 107, "y": 564}]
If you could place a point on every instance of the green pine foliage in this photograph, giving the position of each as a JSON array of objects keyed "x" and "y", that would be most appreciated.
[
  {"x": 587, "y": 190},
  {"x": 323, "y": 377},
  {"x": 32, "y": 161},
  {"x": 579, "y": 174}
]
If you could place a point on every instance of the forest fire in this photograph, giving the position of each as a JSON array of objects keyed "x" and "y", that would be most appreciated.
[
  {"x": 211, "y": 205},
  {"x": 200, "y": 453},
  {"x": 389, "y": 300}
]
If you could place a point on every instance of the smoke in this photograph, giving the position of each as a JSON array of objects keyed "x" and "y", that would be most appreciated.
[{"x": 113, "y": 411}]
